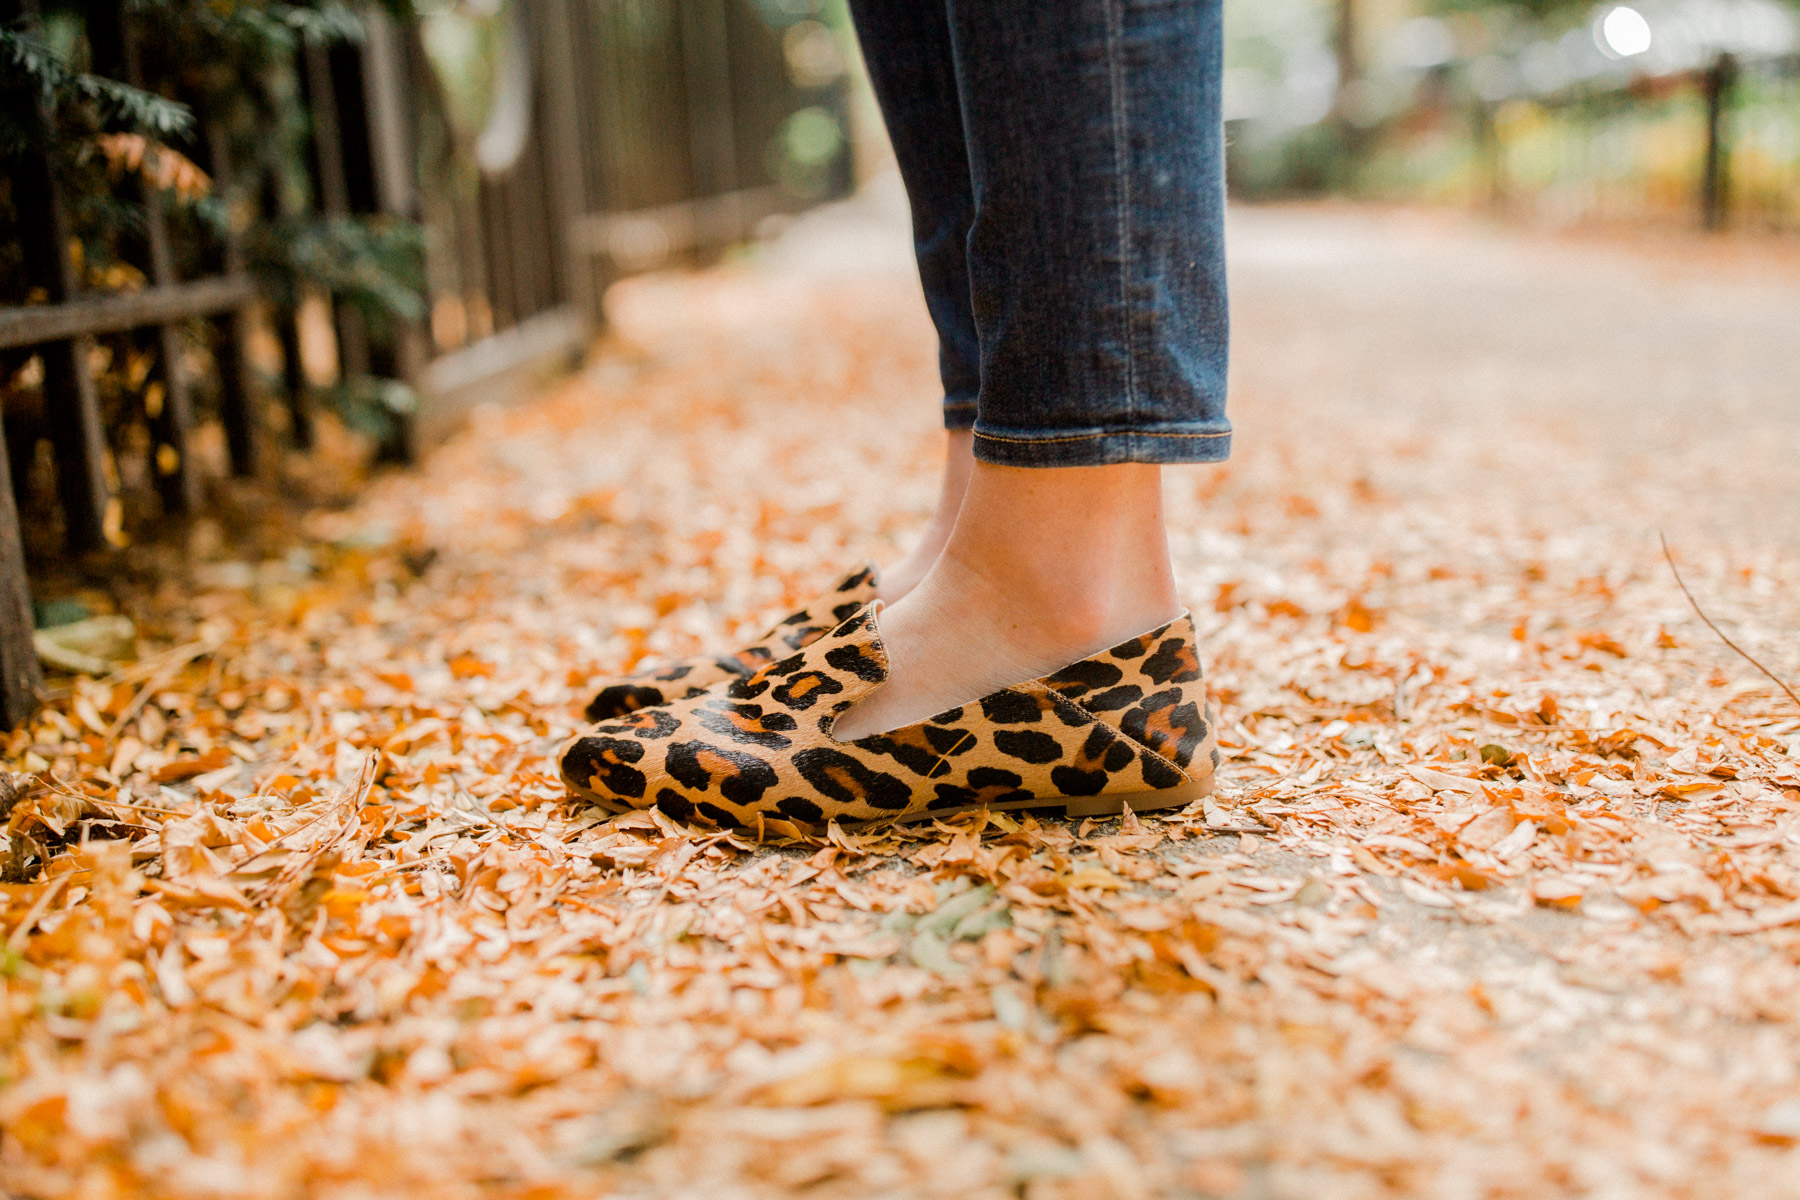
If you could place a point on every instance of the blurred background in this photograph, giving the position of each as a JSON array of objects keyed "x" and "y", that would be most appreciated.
[
  {"x": 251, "y": 250},
  {"x": 1684, "y": 111}
]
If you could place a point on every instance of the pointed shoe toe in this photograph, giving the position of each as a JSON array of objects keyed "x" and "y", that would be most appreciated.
[{"x": 691, "y": 676}]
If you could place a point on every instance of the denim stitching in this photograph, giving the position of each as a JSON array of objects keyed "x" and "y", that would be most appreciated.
[
  {"x": 1092, "y": 437},
  {"x": 1115, "y": 33}
]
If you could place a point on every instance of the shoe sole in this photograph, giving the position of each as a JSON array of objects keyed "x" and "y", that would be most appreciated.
[
  {"x": 1179, "y": 796},
  {"x": 1109, "y": 805}
]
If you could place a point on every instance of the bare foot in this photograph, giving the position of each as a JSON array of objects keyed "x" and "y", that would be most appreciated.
[{"x": 1043, "y": 567}]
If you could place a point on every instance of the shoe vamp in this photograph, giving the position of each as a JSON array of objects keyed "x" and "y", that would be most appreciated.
[{"x": 730, "y": 761}]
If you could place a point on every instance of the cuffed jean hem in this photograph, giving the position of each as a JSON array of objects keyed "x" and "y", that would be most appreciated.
[
  {"x": 960, "y": 414},
  {"x": 1103, "y": 447}
]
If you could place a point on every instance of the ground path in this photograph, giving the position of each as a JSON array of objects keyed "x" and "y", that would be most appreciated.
[{"x": 1501, "y": 896}]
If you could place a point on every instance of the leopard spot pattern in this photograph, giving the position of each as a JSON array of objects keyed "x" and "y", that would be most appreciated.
[
  {"x": 647, "y": 723},
  {"x": 742, "y": 777},
  {"x": 850, "y": 781},
  {"x": 642, "y": 689},
  {"x": 803, "y": 689},
  {"x": 1129, "y": 719},
  {"x": 606, "y": 763},
  {"x": 747, "y": 724},
  {"x": 623, "y": 698}
]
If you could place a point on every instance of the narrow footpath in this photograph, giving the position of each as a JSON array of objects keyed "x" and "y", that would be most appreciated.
[{"x": 1500, "y": 896}]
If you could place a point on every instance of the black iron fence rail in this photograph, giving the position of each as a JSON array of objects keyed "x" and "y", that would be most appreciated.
[
  {"x": 35, "y": 324},
  {"x": 1716, "y": 84},
  {"x": 648, "y": 236},
  {"x": 649, "y": 134}
]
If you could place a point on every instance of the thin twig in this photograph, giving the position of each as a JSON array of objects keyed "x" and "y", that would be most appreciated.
[
  {"x": 176, "y": 659},
  {"x": 295, "y": 871},
  {"x": 143, "y": 668},
  {"x": 50, "y": 781},
  {"x": 354, "y": 799},
  {"x": 1748, "y": 657},
  {"x": 52, "y": 889},
  {"x": 167, "y": 812}
]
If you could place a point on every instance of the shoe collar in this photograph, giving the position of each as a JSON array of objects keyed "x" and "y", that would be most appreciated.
[{"x": 855, "y": 648}]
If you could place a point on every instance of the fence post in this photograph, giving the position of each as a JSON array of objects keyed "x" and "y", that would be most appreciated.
[
  {"x": 333, "y": 196},
  {"x": 20, "y": 674},
  {"x": 1716, "y": 85},
  {"x": 72, "y": 407},
  {"x": 1490, "y": 151},
  {"x": 393, "y": 163},
  {"x": 1346, "y": 45},
  {"x": 296, "y": 392},
  {"x": 712, "y": 141},
  {"x": 237, "y": 404},
  {"x": 552, "y": 27},
  {"x": 173, "y": 420}
]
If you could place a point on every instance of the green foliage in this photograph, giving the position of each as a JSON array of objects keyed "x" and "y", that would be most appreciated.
[
  {"x": 782, "y": 13},
  {"x": 1542, "y": 10},
  {"x": 31, "y": 74},
  {"x": 262, "y": 30},
  {"x": 374, "y": 263},
  {"x": 242, "y": 54},
  {"x": 372, "y": 407},
  {"x": 246, "y": 143}
]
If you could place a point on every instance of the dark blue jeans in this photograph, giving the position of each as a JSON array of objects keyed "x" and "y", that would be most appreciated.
[{"x": 1064, "y": 159}]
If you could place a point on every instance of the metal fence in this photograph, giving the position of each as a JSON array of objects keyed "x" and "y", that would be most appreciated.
[
  {"x": 625, "y": 134},
  {"x": 1718, "y": 147},
  {"x": 622, "y": 134},
  {"x": 1691, "y": 118}
]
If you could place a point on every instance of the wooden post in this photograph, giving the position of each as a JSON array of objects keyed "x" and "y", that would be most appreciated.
[
  {"x": 1346, "y": 51},
  {"x": 712, "y": 140},
  {"x": 71, "y": 406},
  {"x": 1715, "y": 182},
  {"x": 394, "y": 162},
  {"x": 332, "y": 179},
  {"x": 172, "y": 419},
  {"x": 298, "y": 392},
  {"x": 20, "y": 676},
  {"x": 498, "y": 253},
  {"x": 1490, "y": 151},
  {"x": 392, "y": 155},
  {"x": 295, "y": 392},
  {"x": 525, "y": 212},
  {"x": 552, "y": 28},
  {"x": 237, "y": 403}
]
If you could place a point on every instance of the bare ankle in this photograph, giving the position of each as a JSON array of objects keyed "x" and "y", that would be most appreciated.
[
  {"x": 1044, "y": 567},
  {"x": 903, "y": 576},
  {"x": 1079, "y": 615}
]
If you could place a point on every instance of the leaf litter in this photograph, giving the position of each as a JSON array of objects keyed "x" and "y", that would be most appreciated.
[{"x": 1499, "y": 896}]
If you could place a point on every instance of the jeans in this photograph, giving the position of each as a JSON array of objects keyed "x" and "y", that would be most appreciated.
[{"x": 1064, "y": 160}]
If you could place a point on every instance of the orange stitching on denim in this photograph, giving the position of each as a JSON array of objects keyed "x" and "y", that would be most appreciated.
[{"x": 1092, "y": 437}]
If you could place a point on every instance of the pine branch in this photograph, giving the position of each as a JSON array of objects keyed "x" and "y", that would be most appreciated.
[
  {"x": 374, "y": 263},
  {"x": 321, "y": 26},
  {"x": 30, "y": 66},
  {"x": 271, "y": 29}
]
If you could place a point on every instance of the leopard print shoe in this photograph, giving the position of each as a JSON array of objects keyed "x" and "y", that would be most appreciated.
[
  {"x": 1128, "y": 726},
  {"x": 690, "y": 677}
]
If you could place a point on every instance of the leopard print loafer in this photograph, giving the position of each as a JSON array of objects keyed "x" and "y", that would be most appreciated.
[
  {"x": 692, "y": 676},
  {"x": 1127, "y": 727}
]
